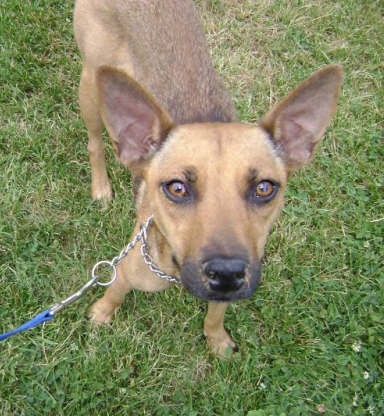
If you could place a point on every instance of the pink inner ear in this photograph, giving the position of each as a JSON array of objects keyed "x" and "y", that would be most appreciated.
[
  {"x": 296, "y": 142},
  {"x": 312, "y": 110},
  {"x": 300, "y": 119},
  {"x": 132, "y": 117},
  {"x": 132, "y": 123},
  {"x": 131, "y": 150}
]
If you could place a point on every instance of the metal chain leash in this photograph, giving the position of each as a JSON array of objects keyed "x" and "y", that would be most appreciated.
[{"x": 140, "y": 237}]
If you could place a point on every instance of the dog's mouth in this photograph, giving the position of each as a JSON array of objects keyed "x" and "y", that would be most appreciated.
[{"x": 221, "y": 278}]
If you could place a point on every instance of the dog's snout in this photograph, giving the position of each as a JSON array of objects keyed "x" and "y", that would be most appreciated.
[{"x": 225, "y": 274}]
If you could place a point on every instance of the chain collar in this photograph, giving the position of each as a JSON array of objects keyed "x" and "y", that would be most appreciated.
[
  {"x": 148, "y": 259},
  {"x": 140, "y": 237}
]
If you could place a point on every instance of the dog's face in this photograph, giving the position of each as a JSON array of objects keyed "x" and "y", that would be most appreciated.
[{"x": 215, "y": 189}]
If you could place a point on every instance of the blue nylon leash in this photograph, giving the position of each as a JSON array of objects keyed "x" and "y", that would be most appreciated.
[
  {"x": 49, "y": 314},
  {"x": 44, "y": 316}
]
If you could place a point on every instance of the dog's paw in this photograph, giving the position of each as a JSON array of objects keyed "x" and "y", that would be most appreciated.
[
  {"x": 101, "y": 312},
  {"x": 222, "y": 346},
  {"x": 102, "y": 193}
]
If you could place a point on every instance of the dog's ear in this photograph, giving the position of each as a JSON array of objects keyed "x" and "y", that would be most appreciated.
[
  {"x": 136, "y": 123},
  {"x": 298, "y": 122}
]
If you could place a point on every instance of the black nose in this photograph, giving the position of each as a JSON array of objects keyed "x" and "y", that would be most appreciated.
[{"x": 225, "y": 274}]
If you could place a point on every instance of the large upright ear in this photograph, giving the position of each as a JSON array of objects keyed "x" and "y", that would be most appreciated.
[
  {"x": 134, "y": 120},
  {"x": 298, "y": 122}
]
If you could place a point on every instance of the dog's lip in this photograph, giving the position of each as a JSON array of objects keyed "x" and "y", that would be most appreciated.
[
  {"x": 175, "y": 261},
  {"x": 228, "y": 298},
  {"x": 216, "y": 296}
]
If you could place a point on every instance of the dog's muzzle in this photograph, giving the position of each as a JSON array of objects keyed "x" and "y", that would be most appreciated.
[{"x": 221, "y": 278}]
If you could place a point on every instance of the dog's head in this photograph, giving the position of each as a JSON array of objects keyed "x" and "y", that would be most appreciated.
[{"x": 215, "y": 189}]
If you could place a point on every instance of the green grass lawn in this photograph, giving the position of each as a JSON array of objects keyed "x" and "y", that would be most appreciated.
[{"x": 311, "y": 339}]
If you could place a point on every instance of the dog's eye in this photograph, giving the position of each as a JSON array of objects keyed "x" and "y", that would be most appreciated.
[
  {"x": 177, "y": 191},
  {"x": 262, "y": 191}
]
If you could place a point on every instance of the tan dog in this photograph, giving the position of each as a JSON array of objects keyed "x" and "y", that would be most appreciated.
[{"x": 214, "y": 186}]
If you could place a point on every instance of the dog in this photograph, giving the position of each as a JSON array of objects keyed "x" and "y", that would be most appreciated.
[{"x": 214, "y": 186}]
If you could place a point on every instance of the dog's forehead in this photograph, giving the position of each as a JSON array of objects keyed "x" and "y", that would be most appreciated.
[{"x": 224, "y": 145}]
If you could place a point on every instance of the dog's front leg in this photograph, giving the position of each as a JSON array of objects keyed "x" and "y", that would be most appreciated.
[
  {"x": 102, "y": 310},
  {"x": 218, "y": 338},
  {"x": 132, "y": 273}
]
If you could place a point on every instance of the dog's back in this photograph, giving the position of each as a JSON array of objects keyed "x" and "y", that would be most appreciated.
[{"x": 162, "y": 46}]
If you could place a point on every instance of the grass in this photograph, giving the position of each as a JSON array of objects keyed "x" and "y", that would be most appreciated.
[{"x": 311, "y": 339}]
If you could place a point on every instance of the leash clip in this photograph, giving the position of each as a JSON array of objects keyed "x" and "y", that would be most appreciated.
[{"x": 57, "y": 307}]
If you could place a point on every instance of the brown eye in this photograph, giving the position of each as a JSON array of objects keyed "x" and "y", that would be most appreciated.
[
  {"x": 177, "y": 191},
  {"x": 264, "y": 189},
  {"x": 262, "y": 192}
]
